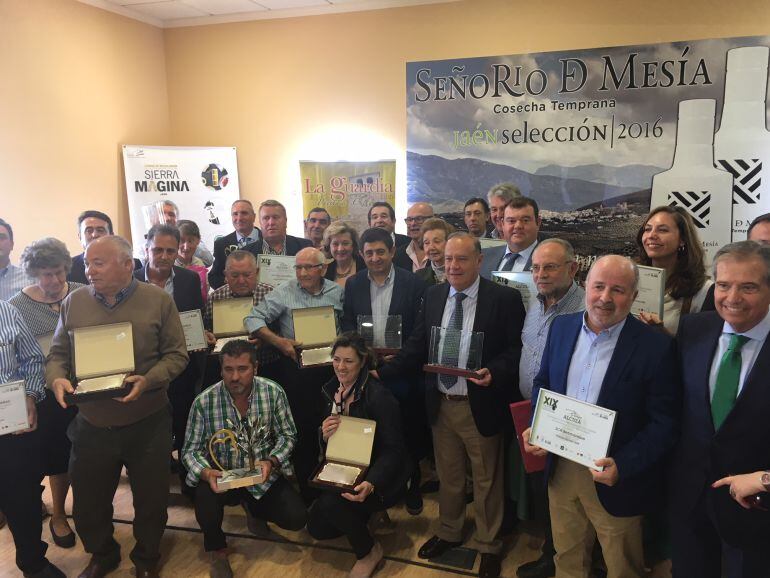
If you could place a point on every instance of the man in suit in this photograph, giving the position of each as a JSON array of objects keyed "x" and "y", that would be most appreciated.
[
  {"x": 411, "y": 256},
  {"x": 275, "y": 241},
  {"x": 243, "y": 216},
  {"x": 521, "y": 224},
  {"x": 381, "y": 290},
  {"x": 184, "y": 286},
  {"x": 722, "y": 457},
  {"x": 607, "y": 357},
  {"x": 468, "y": 415},
  {"x": 91, "y": 225},
  {"x": 383, "y": 216}
]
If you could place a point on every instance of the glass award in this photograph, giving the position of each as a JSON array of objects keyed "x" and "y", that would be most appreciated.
[
  {"x": 242, "y": 438},
  {"x": 315, "y": 328},
  {"x": 348, "y": 454},
  {"x": 100, "y": 376},
  {"x": 227, "y": 319},
  {"x": 381, "y": 332},
  {"x": 455, "y": 352}
]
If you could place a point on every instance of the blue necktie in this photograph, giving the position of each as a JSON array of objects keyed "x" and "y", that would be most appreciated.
[
  {"x": 510, "y": 259},
  {"x": 450, "y": 355}
]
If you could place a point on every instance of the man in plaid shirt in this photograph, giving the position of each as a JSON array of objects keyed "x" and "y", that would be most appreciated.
[{"x": 241, "y": 398}]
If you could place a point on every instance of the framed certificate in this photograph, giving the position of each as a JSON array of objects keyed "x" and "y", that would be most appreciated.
[
  {"x": 348, "y": 454},
  {"x": 276, "y": 269},
  {"x": 573, "y": 429},
  {"x": 228, "y": 315},
  {"x": 13, "y": 407},
  {"x": 192, "y": 324},
  {"x": 652, "y": 290},
  {"x": 522, "y": 281},
  {"x": 100, "y": 376},
  {"x": 316, "y": 329}
]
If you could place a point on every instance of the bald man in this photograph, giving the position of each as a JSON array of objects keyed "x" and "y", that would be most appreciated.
[
  {"x": 271, "y": 320},
  {"x": 604, "y": 356},
  {"x": 411, "y": 256}
]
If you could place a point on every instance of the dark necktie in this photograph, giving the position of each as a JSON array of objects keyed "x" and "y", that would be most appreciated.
[
  {"x": 450, "y": 355},
  {"x": 510, "y": 259},
  {"x": 728, "y": 376}
]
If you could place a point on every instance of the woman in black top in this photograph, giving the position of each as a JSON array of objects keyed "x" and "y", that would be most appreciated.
[{"x": 354, "y": 392}]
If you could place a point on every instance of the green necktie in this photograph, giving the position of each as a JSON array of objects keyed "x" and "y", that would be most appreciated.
[{"x": 728, "y": 376}]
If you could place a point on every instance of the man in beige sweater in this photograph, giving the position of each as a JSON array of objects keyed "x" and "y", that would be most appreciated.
[{"x": 133, "y": 431}]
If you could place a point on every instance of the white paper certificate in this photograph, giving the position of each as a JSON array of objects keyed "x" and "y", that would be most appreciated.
[
  {"x": 572, "y": 429},
  {"x": 275, "y": 269},
  {"x": 13, "y": 407},
  {"x": 192, "y": 324},
  {"x": 652, "y": 288},
  {"x": 522, "y": 281}
]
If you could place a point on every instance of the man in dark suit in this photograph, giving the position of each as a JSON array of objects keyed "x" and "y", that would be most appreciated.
[
  {"x": 411, "y": 256},
  {"x": 243, "y": 216},
  {"x": 605, "y": 356},
  {"x": 521, "y": 224},
  {"x": 275, "y": 241},
  {"x": 91, "y": 225},
  {"x": 383, "y": 216},
  {"x": 722, "y": 459},
  {"x": 185, "y": 288},
  {"x": 468, "y": 415},
  {"x": 386, "y": 290}
]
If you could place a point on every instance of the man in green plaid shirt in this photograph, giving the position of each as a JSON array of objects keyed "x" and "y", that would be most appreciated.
[{"x": 241, "y": 398}]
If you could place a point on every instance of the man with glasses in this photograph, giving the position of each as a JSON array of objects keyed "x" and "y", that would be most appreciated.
[
  {"x": 553, "y": 271},
  {"x": 411, "y": 256},
  {"x": 302, "y": 385}
]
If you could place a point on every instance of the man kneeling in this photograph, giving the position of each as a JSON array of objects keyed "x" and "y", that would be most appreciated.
[{"x": 255, "y": 410}]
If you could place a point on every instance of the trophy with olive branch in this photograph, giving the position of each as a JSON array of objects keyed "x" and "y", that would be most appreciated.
[{"x": 241, "y": 438}]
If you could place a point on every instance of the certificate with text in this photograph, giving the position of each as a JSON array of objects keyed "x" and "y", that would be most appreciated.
[
  {"x": 652, "y": 288},
  {"x": 573, "y": 429},
  {"x": 276, "y": 269}
]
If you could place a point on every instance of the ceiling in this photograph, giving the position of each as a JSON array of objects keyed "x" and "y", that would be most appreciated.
[{"x": 175, "y": 13}]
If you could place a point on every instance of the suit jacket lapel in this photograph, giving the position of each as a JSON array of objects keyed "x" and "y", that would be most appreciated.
[
  {"x": 482, "y": 313},
  {"x": 434, "y": 308},
  {"x": 365, "y": 296},
  {"x": 756, "y": 382},
  {"x": 703, "y": 350},
  {"x": 398, "y": 294},
  {"x": 624, "y": 351}
]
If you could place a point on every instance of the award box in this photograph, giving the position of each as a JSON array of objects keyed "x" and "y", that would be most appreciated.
[
  {"x": 348, "y": 455},
  {"x": 316, "y": 329},
  {"x": 227, "y": 320}
]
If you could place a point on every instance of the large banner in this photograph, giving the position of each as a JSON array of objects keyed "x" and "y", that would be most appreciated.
[
  {"x": 599, "y": 136},
  {"x": 202, "y": 181},
  {"x": 347, "y": 189}
]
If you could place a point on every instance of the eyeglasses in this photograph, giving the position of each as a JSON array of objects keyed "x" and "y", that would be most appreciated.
[
  {"x": 550, "y": 268},
  {"x": 307, "y": 267},
  {"x": 415, "y": 220}
]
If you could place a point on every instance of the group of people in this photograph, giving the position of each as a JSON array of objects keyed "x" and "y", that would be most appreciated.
[{"x": 687, "y": 463}]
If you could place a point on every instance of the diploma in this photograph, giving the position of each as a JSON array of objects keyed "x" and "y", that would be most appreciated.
[
  {"x": 276, "y": 269},
  {"x": 522, "y": 281},
  {"x": 572, "y": 429},
  {"x": 652, "y": 288},
  {"x": 13, "y": 407},
  {"x": 192, "y": 325}
]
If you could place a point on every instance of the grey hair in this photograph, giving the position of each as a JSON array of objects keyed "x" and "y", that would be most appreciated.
[
  {"x": 170, "y": 203},
  {"x": 319, "y": 255},
  {"x": 569, "y": 250},
  {"x": 507, "y": 191},
  {"x": 45, "y": 253},
  {"x": 623, "y": 259},
  {"x": 743, "y": 250},
  {"x": 122, "y": 245},
  {"x": 466, "y": 235},
  {"x": 239, "y": 256}
]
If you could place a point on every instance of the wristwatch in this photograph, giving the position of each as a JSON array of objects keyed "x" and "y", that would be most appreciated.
[{"x": 765, "y": 480}]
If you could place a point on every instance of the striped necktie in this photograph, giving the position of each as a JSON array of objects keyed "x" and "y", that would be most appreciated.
[{"x": 450, "y": 355}]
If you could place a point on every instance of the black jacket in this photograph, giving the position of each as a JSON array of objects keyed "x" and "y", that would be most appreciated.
[
  {"x": 390, "y": 468},
  {"x": 222, "y": 248},
  {"x": 331, "y": 270}
]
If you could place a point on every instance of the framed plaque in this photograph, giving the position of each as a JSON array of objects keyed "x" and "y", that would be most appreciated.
[
  {"x": 381, "y": 332},
  {"x": 192, "y": 325},
  {"x": 100, "y": 376},
  {"x": 316, "y": 329},
  {"x": 13, "y": 407},
  {"x": 652, "y": 290},
  {"x": 348, "y": 454},
  {"x": 455, "y": 352},
  {"x": 573, "y": 429},
  {"x": 227, "y": 320},
  {"x": 276, "y": 269},
  {"x": 522, "y": 281},
  {"x": 487, "y": 243}
]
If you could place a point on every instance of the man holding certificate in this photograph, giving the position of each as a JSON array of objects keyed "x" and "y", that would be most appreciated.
[
  {"x": 608, "y": 358},
  {"x": 21, "y": 471},
  {"x": 281, "y": 307},
  {"x": 133, "y": 431}
]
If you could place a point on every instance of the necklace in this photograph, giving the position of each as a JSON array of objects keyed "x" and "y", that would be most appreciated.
[{"x": 343, "y": 274}]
